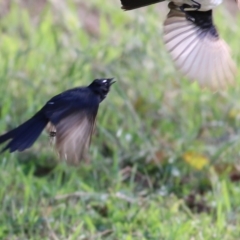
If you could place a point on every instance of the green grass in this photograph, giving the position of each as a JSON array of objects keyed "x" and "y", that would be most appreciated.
[{"x": 138, "y": 185}]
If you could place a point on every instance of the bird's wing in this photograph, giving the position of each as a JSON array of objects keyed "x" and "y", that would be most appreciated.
[
  {"x": 133, "y": 4},
  {"x": 73, "y": 115},
  {"x": 73, "y": 136},
  {"x": 197, "y": 50}
]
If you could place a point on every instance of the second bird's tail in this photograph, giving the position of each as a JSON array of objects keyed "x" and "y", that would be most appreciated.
[{"x": 26, "y": 134}]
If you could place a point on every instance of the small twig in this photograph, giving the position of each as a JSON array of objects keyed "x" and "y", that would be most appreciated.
[
  {"x": 52, "y": 233},
  {"x": 104, "y": 233},
  {"x": 73, "y": 195},
  {"x": 124, "y": 197},
  {"x": 118, "y": 195}
]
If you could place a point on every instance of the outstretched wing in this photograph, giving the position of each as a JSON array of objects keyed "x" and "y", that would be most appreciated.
[
  {"x": 73, "y": 136},
  {"x": 197, "y": 50}
]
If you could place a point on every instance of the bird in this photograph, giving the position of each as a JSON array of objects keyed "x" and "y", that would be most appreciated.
[
  {"x": 193, "y": 42},
  {"x": 69, "y": 118}
]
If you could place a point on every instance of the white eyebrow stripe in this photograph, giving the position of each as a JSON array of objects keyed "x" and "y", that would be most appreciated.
[{"x": 50, "y": 102}]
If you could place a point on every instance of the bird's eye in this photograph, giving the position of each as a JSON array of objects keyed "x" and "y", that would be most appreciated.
[{"x": 104, "y": 81}]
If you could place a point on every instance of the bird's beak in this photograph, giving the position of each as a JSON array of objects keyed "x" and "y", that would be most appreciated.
[{"x": 111, "y": 81}]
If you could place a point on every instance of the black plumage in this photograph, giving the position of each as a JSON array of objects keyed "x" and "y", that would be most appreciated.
[
  {"x": 70, "y": 117},
  {"x": 133, "y": 4}
]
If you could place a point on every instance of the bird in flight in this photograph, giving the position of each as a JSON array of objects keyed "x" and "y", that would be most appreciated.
[
  {"x": 70, "y": 118},
  {"x": 193, "y": 42}
]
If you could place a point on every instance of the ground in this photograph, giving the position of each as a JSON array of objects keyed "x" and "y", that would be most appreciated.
[{"x": 164, "y": 159}]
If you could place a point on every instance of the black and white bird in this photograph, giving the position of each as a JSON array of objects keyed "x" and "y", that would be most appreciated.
[
  {"x": 193, "y": 41},
  {"x": 70, "y": 118}
]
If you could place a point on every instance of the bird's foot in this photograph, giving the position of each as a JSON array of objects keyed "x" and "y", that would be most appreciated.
[
  {"x": 195, "y": 7},
  {"x": 52, "y": 134},
  {"x": 188, "y": 17}
]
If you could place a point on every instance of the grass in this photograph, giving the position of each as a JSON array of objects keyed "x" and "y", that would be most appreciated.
[{"x": 139, "y": 184}]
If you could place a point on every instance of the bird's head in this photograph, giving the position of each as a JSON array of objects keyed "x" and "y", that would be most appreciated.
[{"x": 101, "y": 86}]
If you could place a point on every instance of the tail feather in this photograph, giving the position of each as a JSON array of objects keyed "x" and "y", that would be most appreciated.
[
  {"x": 26, "y": 134},
  {"x": 133, "y": 4}
]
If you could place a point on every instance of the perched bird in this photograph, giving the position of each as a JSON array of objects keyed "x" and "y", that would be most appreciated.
[
  {"x": 70, "y": 117},
  {"x": 193, "y": 41}
]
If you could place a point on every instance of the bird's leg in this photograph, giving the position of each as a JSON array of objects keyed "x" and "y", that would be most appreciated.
[
  {"x": 196, "y": 5},
  {"x": 52, "y": 134},
  {"x": 188, "y": 17}
]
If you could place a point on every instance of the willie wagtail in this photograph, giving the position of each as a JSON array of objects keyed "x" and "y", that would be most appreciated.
[{"x": 70, "y": 118}]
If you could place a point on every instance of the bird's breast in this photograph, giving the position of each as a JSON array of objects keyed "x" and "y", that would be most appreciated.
[{"x": 205, "y": 4}]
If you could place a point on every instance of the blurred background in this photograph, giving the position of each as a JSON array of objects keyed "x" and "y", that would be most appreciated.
[{"x": 165, "y": 157}]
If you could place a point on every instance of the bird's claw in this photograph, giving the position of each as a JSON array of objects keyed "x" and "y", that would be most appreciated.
[{"x": 196, "y": 7}]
